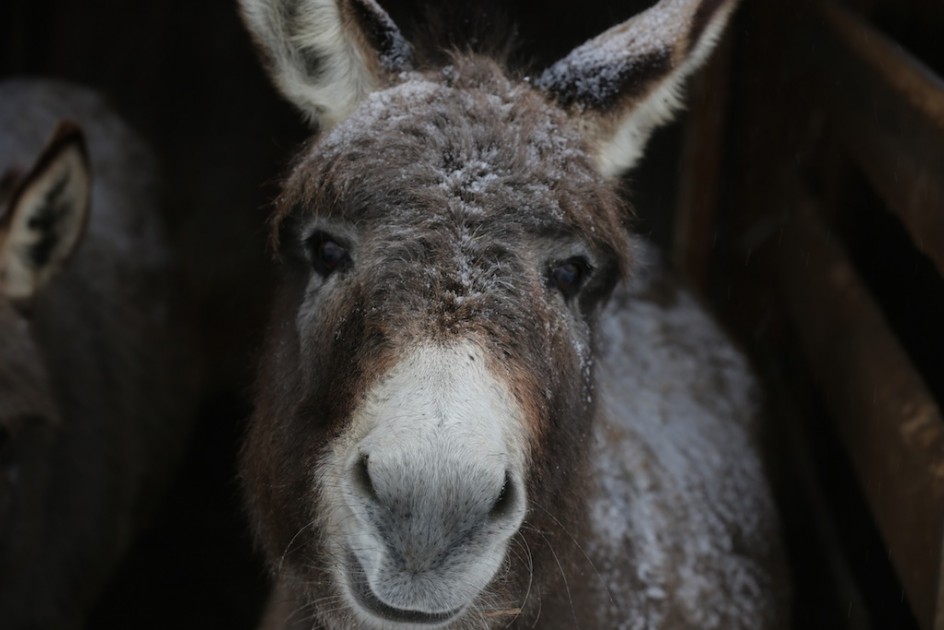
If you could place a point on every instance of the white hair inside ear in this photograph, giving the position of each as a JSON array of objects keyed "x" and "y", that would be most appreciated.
[
  {"x": 628, "y": 81},
  {"x": 47, "y": 216},
  {"x": 325, "y": 56}
]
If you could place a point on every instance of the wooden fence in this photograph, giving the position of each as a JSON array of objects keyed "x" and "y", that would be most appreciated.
[{"x": 819, "y": 104}]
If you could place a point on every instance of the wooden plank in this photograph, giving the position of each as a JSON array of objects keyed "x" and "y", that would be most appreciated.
[
  {"x": 806, "y": 511},
  {"x": 700, "y": 170},
  {"x": 889, "y": 422},
  {"x": 889, "y": 111},
  {"x": 939, "y": 619}
]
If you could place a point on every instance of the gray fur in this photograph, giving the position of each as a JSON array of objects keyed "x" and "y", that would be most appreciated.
[
  {"x": 456, "y": 192},
  {"x": 96, "y": 381}
]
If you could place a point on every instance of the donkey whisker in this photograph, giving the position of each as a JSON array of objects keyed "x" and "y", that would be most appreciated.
[{"x": 444, "y": 357}]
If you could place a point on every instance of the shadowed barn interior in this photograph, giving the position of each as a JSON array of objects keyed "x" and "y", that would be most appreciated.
[{"x": 801, "y": 195}]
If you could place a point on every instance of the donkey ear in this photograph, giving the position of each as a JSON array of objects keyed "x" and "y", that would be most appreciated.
[
  {"x": 626, "y": 82},
  {"x": 326, "y": 55},
  {"x": 47, "y": 215}
]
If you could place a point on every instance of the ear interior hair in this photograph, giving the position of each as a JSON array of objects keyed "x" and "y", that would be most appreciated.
[
  {"x": 47, "y": 215},
  {"x": 325, "y": 56},
  {"x": 626, "y": 82}
]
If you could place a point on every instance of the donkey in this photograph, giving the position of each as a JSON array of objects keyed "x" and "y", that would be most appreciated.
[
  {"x": 96, "y": 384},
  {"x": 450, "y": 431}
]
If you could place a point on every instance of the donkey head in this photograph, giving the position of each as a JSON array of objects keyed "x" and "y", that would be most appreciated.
[
  {"x": 42, "y": 216},
  {"x": 449, "y": 238}
]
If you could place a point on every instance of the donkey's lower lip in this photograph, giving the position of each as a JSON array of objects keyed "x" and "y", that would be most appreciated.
[{"x": 365, "y": 596}]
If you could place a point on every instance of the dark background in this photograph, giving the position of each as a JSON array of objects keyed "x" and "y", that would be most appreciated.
[{"x": 183, "y": 73}]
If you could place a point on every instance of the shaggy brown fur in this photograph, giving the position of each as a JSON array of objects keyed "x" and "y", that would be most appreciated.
[
  {"x": 408, "y": 284},
  {"x": 455, "y": 193}
]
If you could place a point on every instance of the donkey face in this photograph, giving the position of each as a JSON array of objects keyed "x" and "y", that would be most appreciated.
[
  {"x": 449, "y": 239},
  {"x": 43, "y": 218},
  {"x": 444, "y": 275}
]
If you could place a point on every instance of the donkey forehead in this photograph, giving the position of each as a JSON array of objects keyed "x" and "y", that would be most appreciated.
[
  {"x": 495, "y": 152},
  {"x": 469, "y": 116}
]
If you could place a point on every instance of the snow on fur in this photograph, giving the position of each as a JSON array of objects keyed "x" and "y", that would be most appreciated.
[
  {"x": 456, "y": 193},
  {"x": 680, "y": 485}
]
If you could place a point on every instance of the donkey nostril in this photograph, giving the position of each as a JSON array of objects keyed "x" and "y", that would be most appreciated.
[
  {"x": 362, "y": 480},
  {"x": 504, "y": 504}
]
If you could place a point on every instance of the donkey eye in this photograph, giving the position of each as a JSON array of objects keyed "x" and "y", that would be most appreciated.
[
  {"x": 568, "y": 277},
  {"x": 327, "y": 255}
]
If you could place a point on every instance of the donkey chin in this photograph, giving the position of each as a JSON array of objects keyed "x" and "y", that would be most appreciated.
[{"x": 425, "y": 489}]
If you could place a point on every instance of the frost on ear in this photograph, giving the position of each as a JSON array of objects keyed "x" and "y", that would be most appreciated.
[
  {"x": 627, "y": 81},
  {"x": 46, "y": 217},
  {"x": 326, "y": 55}
]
